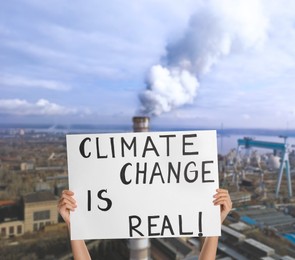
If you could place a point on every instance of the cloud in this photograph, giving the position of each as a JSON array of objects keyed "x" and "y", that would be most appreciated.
[
  {"x": 21, "y": 81},
  {"x": 41, "y": 107}
]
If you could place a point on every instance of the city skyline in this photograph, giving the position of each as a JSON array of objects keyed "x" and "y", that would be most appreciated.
[{"x": 191, "y": 63}]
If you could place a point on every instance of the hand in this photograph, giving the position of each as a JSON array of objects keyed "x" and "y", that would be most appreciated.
[
  {"x": 222, "y": 198},
  {"x": 66, "y": 204}
]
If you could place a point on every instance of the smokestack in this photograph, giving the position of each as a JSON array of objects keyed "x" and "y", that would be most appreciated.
[
  {"x": 139, "y": 247},
  {"x": 141, "y": 124}
]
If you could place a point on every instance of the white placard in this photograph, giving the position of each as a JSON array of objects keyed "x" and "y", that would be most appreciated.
[{"x": 148, "y": 184}]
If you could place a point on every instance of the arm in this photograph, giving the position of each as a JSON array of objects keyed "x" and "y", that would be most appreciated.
[
  {"x": 66, "y": 204},
  {"x": 209, "y": 248}
]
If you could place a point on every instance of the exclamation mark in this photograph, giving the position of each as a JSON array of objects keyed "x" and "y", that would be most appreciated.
[
  {"x": 89, "y": 200},
  {"x": 200, "y": 225}
]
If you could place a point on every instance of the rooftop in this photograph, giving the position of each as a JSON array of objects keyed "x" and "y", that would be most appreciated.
[{"x": 39, "y": 196}]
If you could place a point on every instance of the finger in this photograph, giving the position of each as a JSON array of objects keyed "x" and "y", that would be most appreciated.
[
  {"x": 68, "y": 200},
  {"x": 225, "y": 205},
  {"x": 67, "y": 197},
  {"x": 221, "y": 192},
  {"x": 222, "y": 196},
  {"x": 64, "y": 211},
  {"x": 67, "y": 204},
  {"x": 222, "y": 199},
  {"x": 68, "y": 192}
]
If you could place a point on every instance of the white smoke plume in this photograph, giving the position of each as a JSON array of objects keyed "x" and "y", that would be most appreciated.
[{"x": 214, "y": 31}]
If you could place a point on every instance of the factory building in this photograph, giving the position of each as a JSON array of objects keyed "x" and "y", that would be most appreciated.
[
  {"x": 268, "y": 218},
  {"x": 255, "y": 249},
  {"x": 34, "y": 211},
  {"x": 39, "y": 210},
  {"x": 231, "y": 236}
]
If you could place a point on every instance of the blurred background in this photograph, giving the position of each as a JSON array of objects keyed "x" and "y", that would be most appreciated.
[{"x": 94, "y": 67}]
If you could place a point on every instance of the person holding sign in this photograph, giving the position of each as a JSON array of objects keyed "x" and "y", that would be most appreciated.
[{"x": 79, "y": 249}]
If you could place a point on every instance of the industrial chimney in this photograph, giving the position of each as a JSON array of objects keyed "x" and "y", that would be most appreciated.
[
  {"x": 141, "y": 124},
  {"x": 139, "y": 247}
]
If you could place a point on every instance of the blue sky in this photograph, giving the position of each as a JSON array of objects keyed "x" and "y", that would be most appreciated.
[{"x": 190, "y": 62}]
